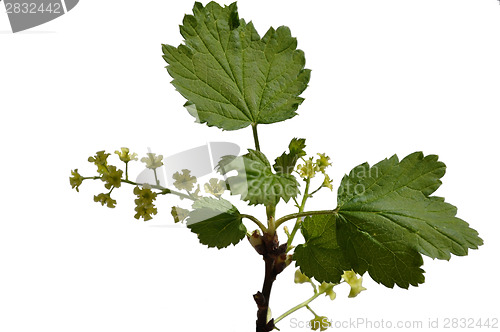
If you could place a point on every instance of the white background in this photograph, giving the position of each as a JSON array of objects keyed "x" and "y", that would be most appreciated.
[{"x": 387, "y": 77}]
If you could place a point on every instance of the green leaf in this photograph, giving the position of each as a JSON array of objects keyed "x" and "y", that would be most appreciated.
[
  {"x": 285, "y": 164},
  {"x": 255, "y": 180},
  {"x": 384, "y": 220},
  {"x": 217, "y": 222},
  {"x": 381, "y": 252},
  {"x": 321, "y": 256},
  {"x": 230, "y": 76}
]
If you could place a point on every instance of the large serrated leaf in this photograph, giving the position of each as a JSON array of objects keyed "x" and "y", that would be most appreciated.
[
  {"x": 230, "y": 76},
  {"x": 385, "y": 219}
]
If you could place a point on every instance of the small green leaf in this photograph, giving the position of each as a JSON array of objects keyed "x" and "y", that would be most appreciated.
[
  {"x": 217, "y": 222},
  {"x": 255, "y": 180},
  {"x": 230, "y": 76},
  {"x": 285, "y": 164}
]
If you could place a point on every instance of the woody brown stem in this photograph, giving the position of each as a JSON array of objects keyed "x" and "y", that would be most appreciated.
[{"x": 275, "y": 262}]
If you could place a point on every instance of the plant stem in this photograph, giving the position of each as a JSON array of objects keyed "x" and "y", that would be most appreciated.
[
  {"x": 312, "y": 311},
  {"x": 270, "y": 252},
  {"x": 270, "y": 213},
  {"x": 90, "y": 177},
  {"x": 256, "y": 221},
  {"x": 156, "y": 177},
  {"x": 163, "y": 189},
  {"x": 303, "y": 214},
  {"x": 301, "y": 209},
  {"x": 310, "y": 195},
  {"x": 306, "y": 195},
  {"x": 255, "y": 136},
  {"x": 297, "y": 307}
]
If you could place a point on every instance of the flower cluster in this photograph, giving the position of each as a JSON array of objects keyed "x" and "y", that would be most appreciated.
[
  {"x": 105, "y": 199},
  {"x": 144, "y": 203},
  {"x": 101, "y": 161},
  {"x": 113, "y": 177},
  {"x": 311, "y": 167},
  {"x": 308, "y": 169}
]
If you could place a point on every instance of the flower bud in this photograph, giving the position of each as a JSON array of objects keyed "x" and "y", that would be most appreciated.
[
  {"x": 256, "y": 241},
  {"x": 281, "y": 262}
]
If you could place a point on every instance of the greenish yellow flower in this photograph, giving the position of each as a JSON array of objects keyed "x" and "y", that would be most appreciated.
[
  {"x": 300, "y": 277},
  {"x": 184, "y": 180},
  {"x": 215, "y": 187},
  {"x": 113, "y": 177},
  {"x": 75, "y": 180},
  {"x": 323, "y": 162},
  {"x": 320, "y": 322},
  {"x": 144, "y": 203},
  {"x": 327, "y": 183},
  {"x": 308, "y": 169},
  {"x": 352, "y": 279},
  {"x": 179, "y": 214},
  {"x": 101, "y": 161},
  {"x": 105, "y": 199},
  {"x": 327, "y": 288},
  {"x": 152, "y": 161},
  {"x": 125, "y": 155}
]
